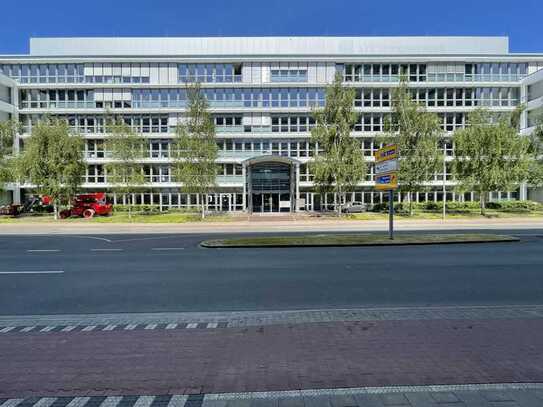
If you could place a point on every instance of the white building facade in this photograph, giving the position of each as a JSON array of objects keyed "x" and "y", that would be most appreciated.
[
  {"x": 261, "y": 93},
  {"x": 8, "y": 111}
]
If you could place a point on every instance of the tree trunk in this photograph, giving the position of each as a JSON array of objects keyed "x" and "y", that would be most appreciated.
[
  {"x": 482, "y": 198},
  {"x": 129, "y": 201},
  {"x": 410, "y": 204},
  {"x": 203, "y": 205},
  {"x": 55, "y": 210}
]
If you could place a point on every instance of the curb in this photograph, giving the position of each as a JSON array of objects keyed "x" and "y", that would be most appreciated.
[{"x": 216, "y": 244}]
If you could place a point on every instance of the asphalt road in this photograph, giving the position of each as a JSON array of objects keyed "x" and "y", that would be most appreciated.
[{"x": 158, "y": 273}]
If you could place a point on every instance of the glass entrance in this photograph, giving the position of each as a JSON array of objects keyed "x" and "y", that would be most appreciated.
[{"x": 270, "y": 187}]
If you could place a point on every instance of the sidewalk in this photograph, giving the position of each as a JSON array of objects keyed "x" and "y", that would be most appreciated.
[
  {"x": 490, "y": 395},
  {"x": 468, "y": 346},
  {"x": 268, "y": 225}
]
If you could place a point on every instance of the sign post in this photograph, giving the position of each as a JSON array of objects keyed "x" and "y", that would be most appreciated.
[{"x": 386, "y": 178}]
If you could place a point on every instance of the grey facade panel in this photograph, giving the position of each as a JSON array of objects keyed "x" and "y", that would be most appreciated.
[{"x": 265, "y": 46}]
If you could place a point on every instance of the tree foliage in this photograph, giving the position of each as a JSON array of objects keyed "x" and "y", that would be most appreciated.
[
  {"x": 126, "y": 150},
  {"x": 535, "y": 172},
  {"x": 195, "y": 147},
  {"x": 490, "y": 154},
  {"x": 417, "y": 133},
  {"x": 52, "y": 161},
  {"x": 8, "y": 132},
  {"x": 339, "y": 166}
]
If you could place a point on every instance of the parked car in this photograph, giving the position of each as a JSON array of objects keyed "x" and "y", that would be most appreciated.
[
  {"x": 353, "y": 207},
  {"x": 88, "y": 205}
]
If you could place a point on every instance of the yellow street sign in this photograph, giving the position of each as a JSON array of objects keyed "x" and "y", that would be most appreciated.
[
  {"x": 386, "y": 181},
  {"x": 386, "y": 153}
]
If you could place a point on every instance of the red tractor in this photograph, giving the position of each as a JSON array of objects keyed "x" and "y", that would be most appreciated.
[{"x": 88, "y": 205}]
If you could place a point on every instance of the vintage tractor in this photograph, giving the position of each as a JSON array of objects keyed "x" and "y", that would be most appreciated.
[{"x": 88, "y": 205}]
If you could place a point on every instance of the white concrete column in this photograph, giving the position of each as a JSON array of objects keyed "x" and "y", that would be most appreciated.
[
  {"x": 523, "y": 191},
  {"x": 296, "y": 208},
  {"x": 244, "y": 175}
]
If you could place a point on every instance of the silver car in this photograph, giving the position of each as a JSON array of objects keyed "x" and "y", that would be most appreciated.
[{"x": 354, "y": 207}]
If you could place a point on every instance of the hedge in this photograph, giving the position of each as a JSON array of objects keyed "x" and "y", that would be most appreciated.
[{"x": 461, "y": 207}]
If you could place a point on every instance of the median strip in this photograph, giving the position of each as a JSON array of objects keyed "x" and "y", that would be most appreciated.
[{"x": 324, "y": 240}]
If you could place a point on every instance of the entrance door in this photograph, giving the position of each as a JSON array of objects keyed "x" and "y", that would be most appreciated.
[{"x": 270, "y": 202}]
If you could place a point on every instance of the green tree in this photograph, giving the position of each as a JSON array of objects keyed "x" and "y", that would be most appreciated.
[
  {"x": 417, "y": 133},
  {"x": 339, "y": 166},
  {"x": 195, "y": 147},
  {"x": 125, "y": 149},
  {"x": 490, "y": 154},
  {"x": 8, "y": 132},
  {"x": 535, "y": 173},
  {"x": 52, "y": 161}
]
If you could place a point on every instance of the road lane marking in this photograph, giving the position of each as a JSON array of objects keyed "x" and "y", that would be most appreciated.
[
  {"x": 47, "y": 328},
  {"x": 151, "y": 326},
  {"x": 43, "y": 250},
  {"x": 7, "y": 329},
  {"x": 78, "y": 402},
  {"x": 45, "y": 402},
  {"x": 33, "y": 272},
  {"x": 212, "y": 325},
  {"x": 171, "y": 326},
  {"x": 88, "y": 328},
  {"x": 130, "y": 327},
  {"x": 192, "y": 325},
  {"x": 106, "y": 250},
  {"x": 68, "y": 328},
  {"x": 109, "y": 328},
  {"x": 144, "y": 401},
  {"x": 28, "y": 328},
  {"x": 167, "y": 248}
]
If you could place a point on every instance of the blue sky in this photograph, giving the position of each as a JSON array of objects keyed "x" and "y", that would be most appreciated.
[{"x": 521, "y": 20}]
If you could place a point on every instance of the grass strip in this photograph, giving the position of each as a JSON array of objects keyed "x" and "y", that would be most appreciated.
[{"x": 355, "y": 240}]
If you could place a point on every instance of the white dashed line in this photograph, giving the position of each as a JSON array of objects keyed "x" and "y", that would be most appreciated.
[
  {"x": 7, "y": 329},
  {"x": 109, "y": 328},
  {"x": 151, "y": 326},
  {"x": 171, "y": 326},
  {"x": 88, "y": 328},
  {"x": 192, "y": 325},
  {"x": 33, "y": 272},
  {"x": 28, "y": 328},
  {"x": 47, "y": 329},
  {"x": 68, "y": 328},
  {"x": 167, "y": 248},
  {"x": 130, "y": 327},
  {"x": 42, "y": 250},
  {"x": 106, "y": 250}
]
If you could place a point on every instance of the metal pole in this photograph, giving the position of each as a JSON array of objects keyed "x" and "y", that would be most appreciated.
[
  {"x": 444, "y": 187},
  {"x": 391, "y": 214}
]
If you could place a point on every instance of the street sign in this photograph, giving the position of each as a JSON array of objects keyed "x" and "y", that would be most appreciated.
[
  {"x": 386, "y": 178},
  {"x": 386, "y": 181},
  {"x": 386, "y": 166},
  {"x": 386, "y": 153}
]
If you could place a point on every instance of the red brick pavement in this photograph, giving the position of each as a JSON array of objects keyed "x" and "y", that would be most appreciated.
[{"x": 280, "y": 357}]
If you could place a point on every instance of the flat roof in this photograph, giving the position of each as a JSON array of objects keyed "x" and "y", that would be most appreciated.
[{"x": 268, "y": 46}]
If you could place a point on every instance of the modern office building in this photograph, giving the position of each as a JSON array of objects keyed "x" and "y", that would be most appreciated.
[
  {"x": 262, "y": 92},
  {"x": 8, "y": 110}
]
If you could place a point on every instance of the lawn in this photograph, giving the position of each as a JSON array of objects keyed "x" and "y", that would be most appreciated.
[
  {"x": 355, "y": 240},
  {"x": 122, "y": 217}
]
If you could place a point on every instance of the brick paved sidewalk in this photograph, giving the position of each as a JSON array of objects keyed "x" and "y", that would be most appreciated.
[
  {"x": 492, "y": 395},
  {"x": 271, "y": 358}
]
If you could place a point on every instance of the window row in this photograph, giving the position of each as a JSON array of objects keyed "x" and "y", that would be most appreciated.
[
  {"x": 288, "y": 75},
  {"x": 89, "y": 124},
  {"x": 267, "y": 97},
  {"x": 80, "y": 73},
  {"x": 209, "y": 73},
  {"x": 459, "y": 97},
  {"x": 383, "y": 72}
]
